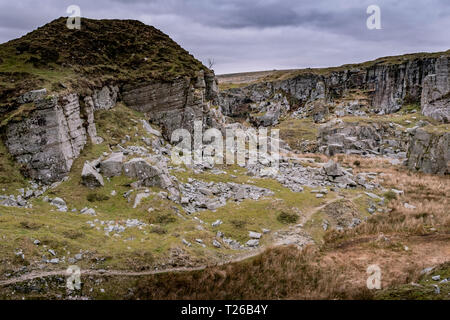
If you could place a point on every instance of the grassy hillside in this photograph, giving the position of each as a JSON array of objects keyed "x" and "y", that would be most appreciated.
[{"x": 56, "y": 57}]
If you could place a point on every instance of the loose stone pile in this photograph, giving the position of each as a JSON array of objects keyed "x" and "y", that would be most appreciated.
[
  {"x": 200, "y": 195},
  {"x": 295, "y": 176},
  {"x": 21, "y": 200},
  {"x": 116, "y": 227}
]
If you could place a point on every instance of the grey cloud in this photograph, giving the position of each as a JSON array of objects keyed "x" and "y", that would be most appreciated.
[{"x": 246, "y": 35}]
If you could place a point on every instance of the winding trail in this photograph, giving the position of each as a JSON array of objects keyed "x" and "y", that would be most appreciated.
[{"x": 34, "y": 275}]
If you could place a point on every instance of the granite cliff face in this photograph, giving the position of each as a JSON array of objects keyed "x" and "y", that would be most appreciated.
[
  {"x": 436, "y": 92},
  {"x": 46, "y": 129},
  {"x": 429, "y": 151},
  {"x": 177, "y": 104},
  {"x": 388, "y": 87},
  {"x": 53, "y": 134}
]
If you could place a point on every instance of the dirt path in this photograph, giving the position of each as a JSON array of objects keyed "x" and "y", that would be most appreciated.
[
  {"x": 253, "y": 253},
  {"x": 43, "y": 274}
]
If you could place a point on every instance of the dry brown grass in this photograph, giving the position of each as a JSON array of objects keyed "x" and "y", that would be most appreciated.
[
  {"x": 430, "y": 194},
  {"x": 360, "y": 164},
  {"x": 402, "y": 242},
  {"x": 279, "y": 273},
  {"x": 313, "y": 273}
]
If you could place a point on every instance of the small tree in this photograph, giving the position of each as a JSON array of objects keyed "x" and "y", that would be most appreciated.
[{"x": 211, "y": 63}]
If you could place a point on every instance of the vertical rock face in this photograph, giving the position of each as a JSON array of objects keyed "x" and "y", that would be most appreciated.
[
  {"x": 48, "y": 141},
  {"x": 389, "y": 86},
  {"x": 396, "y": 84},
  {"x": 177, "y": 104},
  {"x": 429, "y": 152},
  {"x": 436, "y": 92}
]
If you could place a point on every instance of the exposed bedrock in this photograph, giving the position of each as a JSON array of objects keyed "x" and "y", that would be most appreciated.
[
  {"x": 429, "y": 151},
  {"x": 363, "y": 138},
  {"x": 177, "y": 104},
  {"x": 436, "y": 92},
  {"x": 55, "y": 131},
  {"x": 388, "y": 87}
]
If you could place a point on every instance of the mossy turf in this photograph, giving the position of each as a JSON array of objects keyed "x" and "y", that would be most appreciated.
[
  {"x": 101, "y": 51},
  {"x": 424, "y": 289},
  {"x": 296, "y": 131}
]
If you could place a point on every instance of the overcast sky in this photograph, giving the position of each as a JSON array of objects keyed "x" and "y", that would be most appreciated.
[{"x": 252, "y": 35}]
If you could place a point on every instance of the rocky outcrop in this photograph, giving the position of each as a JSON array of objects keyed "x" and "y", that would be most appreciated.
[
  {"x": 32, "y": 96},
  {"x": 268, "y": 112},
  {"x": 105, "y": 98},
  {"x": 436, "y": 92},
  {"x": 200, "y": 195},
  {"x": 90, "y": 177},
  {"x": 429, "y": 151},
  {"x": 47, "y": 142},
  {"x": 388, "y": 86},
  {"x": 177, "y": 104},
  {"x": 54, "y": 132},
  {"x": 362, "y": 138}
]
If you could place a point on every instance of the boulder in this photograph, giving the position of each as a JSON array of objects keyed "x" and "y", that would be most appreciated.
[
  {"x": 252, "y": 243},
  {"x": 216, "y": 244},
  {"x": 429, "y": 151},
  {"x": 269, "y": 118},
  {"x": 90, "y": 177},
  {"x": 105, "y": 98},
  {"x": 148, "y": 174},
  {"x": 59, "y": 203},
  {"x": 112, "y": 166},
  {"x": 149, "y": 129},
  {"x": 254, "y": 235},
  {"x": 333, "y": 169}
]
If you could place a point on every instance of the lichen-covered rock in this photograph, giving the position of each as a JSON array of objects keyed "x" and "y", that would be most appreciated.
[
  {"x": 149, "y": 174},
  {"x": 113, "y": 166},
  {"x": 369, "y": 137},
  {"x": 32, "y": 96},
  {"x": 105, "y": 98},
  {"x": 267, "y": 112},
  {"x": 429, "y": 151},
  {"x": 47, "y": 142},
  {"x": 90, "y": 177},
  {"x": 333, "y": 169},
  {"x": 52, "y": 135},
  {"x": 436, "y": 92}
]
